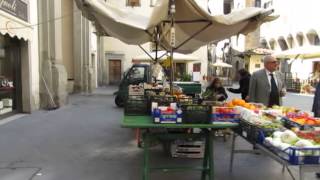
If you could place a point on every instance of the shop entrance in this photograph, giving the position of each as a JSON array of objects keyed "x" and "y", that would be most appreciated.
[
  {"x": 10, "y": 76},
  {"x": 114, "y": 71}
]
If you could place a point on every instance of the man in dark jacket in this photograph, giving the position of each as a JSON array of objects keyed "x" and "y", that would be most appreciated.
[
  {"x": 244, "y": 84},
  {"x": 316, "y": 107},
  {"x": 316, "y": 101}
]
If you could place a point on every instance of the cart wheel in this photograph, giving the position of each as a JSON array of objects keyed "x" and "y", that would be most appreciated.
[{"x": 119, "y": 101}]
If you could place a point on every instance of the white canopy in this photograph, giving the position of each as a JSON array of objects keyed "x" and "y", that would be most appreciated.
[
  {"x": 221, "y": 64},
  {"x": 192, "y": 23},
  {"x": 304, "y": 52},
  {"x": 177, "y": 57},
  {"x": 15, "y": 27}
]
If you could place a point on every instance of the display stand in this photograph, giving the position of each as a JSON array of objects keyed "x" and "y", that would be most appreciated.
[
  {"x": 261, "y": 149},
  {"x": 207, "y": 132}
]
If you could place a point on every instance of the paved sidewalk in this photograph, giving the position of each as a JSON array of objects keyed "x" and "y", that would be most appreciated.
[
  {"x": 84, "y": 141},
  {"x": 106, "y": 90}
]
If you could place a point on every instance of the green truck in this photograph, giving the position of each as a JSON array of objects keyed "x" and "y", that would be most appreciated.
[{"x": 141, "y": 73}]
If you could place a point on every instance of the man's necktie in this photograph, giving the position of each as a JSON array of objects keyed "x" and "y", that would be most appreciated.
[
  {"x": 274, "y": 87},
  {"x": 274, "y": 98}
]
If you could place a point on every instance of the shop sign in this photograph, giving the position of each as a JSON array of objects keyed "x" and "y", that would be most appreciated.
[{"x": 17, "y": 8}]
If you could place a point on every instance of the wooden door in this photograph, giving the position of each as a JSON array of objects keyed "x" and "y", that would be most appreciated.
[{"x": 114, "y": 71}]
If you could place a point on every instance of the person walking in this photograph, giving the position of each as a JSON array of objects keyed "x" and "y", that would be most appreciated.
[
  {"x": 267, "y": 85},
  {"x": 215, "y": 91},
  {"x": 243, "y": 84}
]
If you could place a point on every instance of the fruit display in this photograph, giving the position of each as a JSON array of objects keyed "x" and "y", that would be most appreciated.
[
  {"x": 310, "y": 135},
  {"x": 260, "y": 120},
  {"x": 303, "y": 118},
  {"x": 284, "y": 140},
  {"x": 294, "y": 145},
  {"x": 224, "y": 110},
  {"x": 285, "y": 110},
  {"x": 242, "y": 103},
  {"x": 293, "y": 148}
]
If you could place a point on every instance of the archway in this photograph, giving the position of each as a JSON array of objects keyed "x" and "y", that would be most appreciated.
[
  {"x": 300, "y": 39},
  {"x": 290, "y": 41},
  {"x": 282, "y": 43},
  {"x": 313, "y": 37}
]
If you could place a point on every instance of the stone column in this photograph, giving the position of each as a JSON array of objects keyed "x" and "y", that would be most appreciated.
[
  {"x": 100, "y": 59},
  {"x": 53, "y": 83},
  {"x": 59, "y": 73},
  {"x": 45, "y": 56},
  {"x": 81, "y": 50}
]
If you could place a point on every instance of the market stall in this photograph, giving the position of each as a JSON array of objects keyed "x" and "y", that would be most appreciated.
[
  {"x": 174, "y": 121},
  {"x": 207, "y": 133},
  {"x": 166, "y": 114}
]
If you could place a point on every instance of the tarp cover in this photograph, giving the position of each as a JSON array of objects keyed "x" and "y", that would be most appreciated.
[
  {"x": 176, "y": 57},
  {"x": 134, "y": 28}
]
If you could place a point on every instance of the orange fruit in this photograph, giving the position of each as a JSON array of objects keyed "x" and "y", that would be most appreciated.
[
  {"x": 241, "y": 102},
  {"x": 229, "y": 104},
  {"x": 238, "y": 102},
  {"x": 246, "y": 105},
  {"x": 252, "y": 107}
]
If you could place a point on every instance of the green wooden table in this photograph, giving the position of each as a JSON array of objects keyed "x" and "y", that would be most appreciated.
[{"x": 146, "y": 122}]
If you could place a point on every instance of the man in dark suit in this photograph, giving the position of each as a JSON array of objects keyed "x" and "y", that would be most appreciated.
[{"x": 267, "y": 85}]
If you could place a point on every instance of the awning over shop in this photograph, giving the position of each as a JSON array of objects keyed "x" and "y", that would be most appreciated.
[
  {"x": 177, "y": 57},
  {"x": 14, "y": 27},
  {"x": 194, "y": 27},
  {"x": 304, "y": 52},
  {"x": 221, "y": 64}
]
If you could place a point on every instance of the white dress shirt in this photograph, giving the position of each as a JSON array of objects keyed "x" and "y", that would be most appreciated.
[{"x": 269, "y": 78}]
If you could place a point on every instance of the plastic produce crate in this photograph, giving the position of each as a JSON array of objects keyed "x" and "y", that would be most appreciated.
[
  {"x": 165, "y": 117},
  {"x": 136, "y": 106},
  {"x": 188, "y": 101},
  {"x": 162, "y": 100},
  {"x": 196, "y": 114},
  {"x": 225, "y": 115},
  {"x": 291, "y": 124},
  {"x": 253, "y": 133},
  {"x": 297, "y": 156}
]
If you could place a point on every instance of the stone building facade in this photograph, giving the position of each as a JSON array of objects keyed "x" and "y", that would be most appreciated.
[{"x": 68, "y": 52}]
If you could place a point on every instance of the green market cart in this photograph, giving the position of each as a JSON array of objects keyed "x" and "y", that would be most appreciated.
[{"x": 207, "y": 132}]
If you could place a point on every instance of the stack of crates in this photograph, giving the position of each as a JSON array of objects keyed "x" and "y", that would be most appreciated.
[
  {"x": 136, "y": 106},
  {"x": 187, "y": 149},
  {"x": 225, "y": 115}
]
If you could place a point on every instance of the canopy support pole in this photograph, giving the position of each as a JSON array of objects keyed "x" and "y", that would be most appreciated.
[
  {"x": 156, "y": 40},
  {"x": 193, "y": 35},
  {"x": 145, "y": 51},
  {"x": 159, "y": 44},
  {"x": 172, "y": 10}
]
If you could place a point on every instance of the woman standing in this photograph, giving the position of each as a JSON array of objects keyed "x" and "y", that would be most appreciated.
[{"x": 215, "y": 91}]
